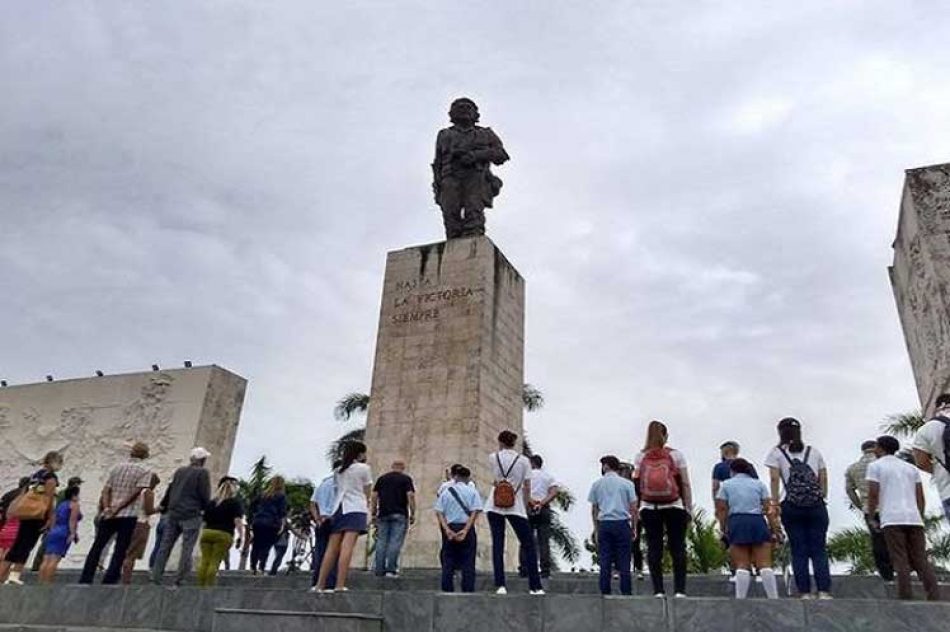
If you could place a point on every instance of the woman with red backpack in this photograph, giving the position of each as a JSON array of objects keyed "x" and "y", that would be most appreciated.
[
  {"x": 666, "y": 504},
  {"x": 801, "y": 470}
]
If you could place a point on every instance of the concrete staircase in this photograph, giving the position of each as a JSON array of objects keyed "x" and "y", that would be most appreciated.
[{"x": 411, "y": 604}]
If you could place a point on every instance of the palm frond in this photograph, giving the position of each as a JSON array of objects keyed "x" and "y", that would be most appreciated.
[
  {"x": 351, "y": 404},
  {"x": 704, "y": 550},
  {"x": 531, "y": 398},
  {"x": 903, "y": 424},
  {"x": 564, "y": 500},
  {"x": 563, "y": 540},
  {"x": 852, "y": 546},
  {"x": 939, "y": 549},
  {"x": 335, "y": 451}
]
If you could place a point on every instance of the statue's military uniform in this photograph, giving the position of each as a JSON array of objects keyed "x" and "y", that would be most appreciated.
[{"x": 463, "y": 182}]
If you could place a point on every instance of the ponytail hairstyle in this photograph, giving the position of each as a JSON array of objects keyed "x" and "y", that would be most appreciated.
[
  {"x": 741, "y": 466},
  {"x": 656, "y": 436},
  {"x": 352, "y": 451},
  {"x": 790, "y": 434}
]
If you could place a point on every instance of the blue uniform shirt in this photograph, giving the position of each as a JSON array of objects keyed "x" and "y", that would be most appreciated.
[
  {"x": 721, "y": 471},
  {"x": 325, "y": 495},
  {"x": 743, "y": 494},
  {"x": 613, "y": 496},
  {"x": 446, "y": 504}
]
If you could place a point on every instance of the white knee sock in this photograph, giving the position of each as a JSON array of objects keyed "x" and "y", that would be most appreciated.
[
  {"x": 768, "y": 582},
  {"x": 743, "y": 580}
]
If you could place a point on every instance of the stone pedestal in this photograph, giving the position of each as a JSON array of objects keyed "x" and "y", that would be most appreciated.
[
  {"x": 920, "y": 278},
  {"x": 448, "y": 373}
]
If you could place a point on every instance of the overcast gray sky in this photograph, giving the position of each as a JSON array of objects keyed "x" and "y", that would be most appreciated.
[{"x": 701, "y": 198}]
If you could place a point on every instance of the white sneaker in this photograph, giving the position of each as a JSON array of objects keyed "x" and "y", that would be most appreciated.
[
  {"x": 341, "y": 590},
  {"x": 679, "y": 596},
  {"x": 501, "y": 591},
  {"x": 824, "y": 596},
  {"x": 12, "y": 581},
  {"x": 807, "y": 596},
  {"x": 660, "y": 595},
  {"x": 391, "y": 575},
  {"x": 640, "y": 575},
  {"x": 536, "y": 592},
  {"x": 732, "y": 579},
  {"x": 314, "y": 589}
]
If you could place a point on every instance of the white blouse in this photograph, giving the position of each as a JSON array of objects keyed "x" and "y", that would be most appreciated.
[{"x": 351, "y": 489}]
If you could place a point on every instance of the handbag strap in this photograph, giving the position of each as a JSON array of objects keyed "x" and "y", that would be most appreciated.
[{"x": 458, "y": 499}]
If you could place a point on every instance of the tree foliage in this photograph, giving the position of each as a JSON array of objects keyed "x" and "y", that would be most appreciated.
[
  {"x": 705, "y": 553},
  {"x": 904, "y": 424}
]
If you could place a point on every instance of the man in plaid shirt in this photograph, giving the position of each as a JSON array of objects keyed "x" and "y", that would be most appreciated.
[{"x": 119, "y": 507}]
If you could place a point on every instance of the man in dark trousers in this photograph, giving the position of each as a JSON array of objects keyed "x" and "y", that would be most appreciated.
[
  {"x": 188, "y": 495},
  {"x": 457, "y": 509}
]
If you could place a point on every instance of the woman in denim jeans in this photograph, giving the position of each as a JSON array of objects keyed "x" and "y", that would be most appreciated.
[{"x": 803, "y": 510}]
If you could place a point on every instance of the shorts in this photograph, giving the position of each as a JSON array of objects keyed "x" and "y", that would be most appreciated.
[
  {"x": 26, "y": 538},
  {"x": 139, "y": 542},
  {"x": 748, "y": 530},
  {"x": 8, "y": 533},
  {"x": 342, "y": 522}
]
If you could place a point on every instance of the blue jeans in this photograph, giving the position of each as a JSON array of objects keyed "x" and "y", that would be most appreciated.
[
  {"x": 807, "y": 529},
  {"x": 614, "y": 547},
  {"x": 389, "y": 538},
  {"x": 459, "y": 556},
  {"x": 319, "y": 551},
  {"x": 525, "y": 538}
]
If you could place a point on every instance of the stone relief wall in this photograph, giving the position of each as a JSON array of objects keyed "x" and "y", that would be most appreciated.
[
  {"x": 94, "y": 421},
  {"x": 920, "y": 277}
]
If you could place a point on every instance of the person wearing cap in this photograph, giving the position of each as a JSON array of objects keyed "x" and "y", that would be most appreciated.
[
  {"x": 186, "y": 498},
  {"x": 120, "y": 504},
  {"x": 802, "y": 473},
  {"x": 223, "y": 518},
  {"x": 856, "y": 487}
]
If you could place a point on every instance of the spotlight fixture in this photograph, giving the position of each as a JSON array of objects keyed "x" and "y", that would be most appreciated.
[
  {"x": 155, "y": 367},
  {"x": 3, "y": 383},
  {"x": 49, "y": 378},
  {"x": 187, "y": 364},
  {"x": 99, "y": 373}
]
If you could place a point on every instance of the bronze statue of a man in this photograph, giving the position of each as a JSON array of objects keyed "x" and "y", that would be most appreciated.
[{"x": 462, "y": 179}]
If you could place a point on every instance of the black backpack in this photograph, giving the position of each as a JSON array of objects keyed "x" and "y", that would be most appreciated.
[{"x": 802, "y": 488}]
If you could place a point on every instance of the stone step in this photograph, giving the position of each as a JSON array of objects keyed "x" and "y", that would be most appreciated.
[
  {"x": 191, "y": 609},
  {"x": 241, "y": 620}
]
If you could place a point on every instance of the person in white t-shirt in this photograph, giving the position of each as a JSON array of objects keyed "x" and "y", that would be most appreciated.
[
  {"x": 350, "y": 511},
  {"x": 512, "y": 477},
  {"x": 544, "y": 489},
  {"x": 804, "y": 477},
  {"x": 895, "y": 490},
  {"x": 930, "y": 452},
  {"x": 666, "y": 505}
]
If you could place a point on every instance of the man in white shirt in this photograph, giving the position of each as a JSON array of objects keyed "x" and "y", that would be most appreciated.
[
  {"x": 507, "y": 501},
  {"x": 544, "y": 490},
  {"x": 896, "y": 493},
  {"x": 931, "y": 453}
]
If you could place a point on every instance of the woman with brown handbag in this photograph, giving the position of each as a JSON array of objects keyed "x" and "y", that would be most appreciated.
[{"x": 34, "y": 509}]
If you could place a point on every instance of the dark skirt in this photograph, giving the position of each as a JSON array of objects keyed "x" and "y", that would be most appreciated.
[
  {"x": 748, "y": 529},
  {"x": 26, "y": 539},
  {"x": 342, "y": 522}
]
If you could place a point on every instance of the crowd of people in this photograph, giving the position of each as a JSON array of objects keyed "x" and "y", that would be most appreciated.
[{"x": 649, "y": 498}]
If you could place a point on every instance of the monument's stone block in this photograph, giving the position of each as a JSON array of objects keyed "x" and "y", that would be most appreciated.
[
  {"x": 93, "y": 421},
  {"x": 448, "y": 373},
  {"x": 920, "y": 277}
]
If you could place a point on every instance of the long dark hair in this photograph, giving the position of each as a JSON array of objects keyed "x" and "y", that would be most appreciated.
[
  {"x": 790, "y": 434},
  {"x": 352, "y": 451}
]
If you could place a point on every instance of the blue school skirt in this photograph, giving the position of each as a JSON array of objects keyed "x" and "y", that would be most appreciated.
[
  {"x": 342, "y": 522},
  {"x": 748, "y": 529}
]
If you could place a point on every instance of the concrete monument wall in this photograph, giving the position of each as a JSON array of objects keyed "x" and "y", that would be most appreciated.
[
  {"x": 93, "y": 421},
  {"x": 448, "y": 372},
  {"x": 920, "y": 277}
]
